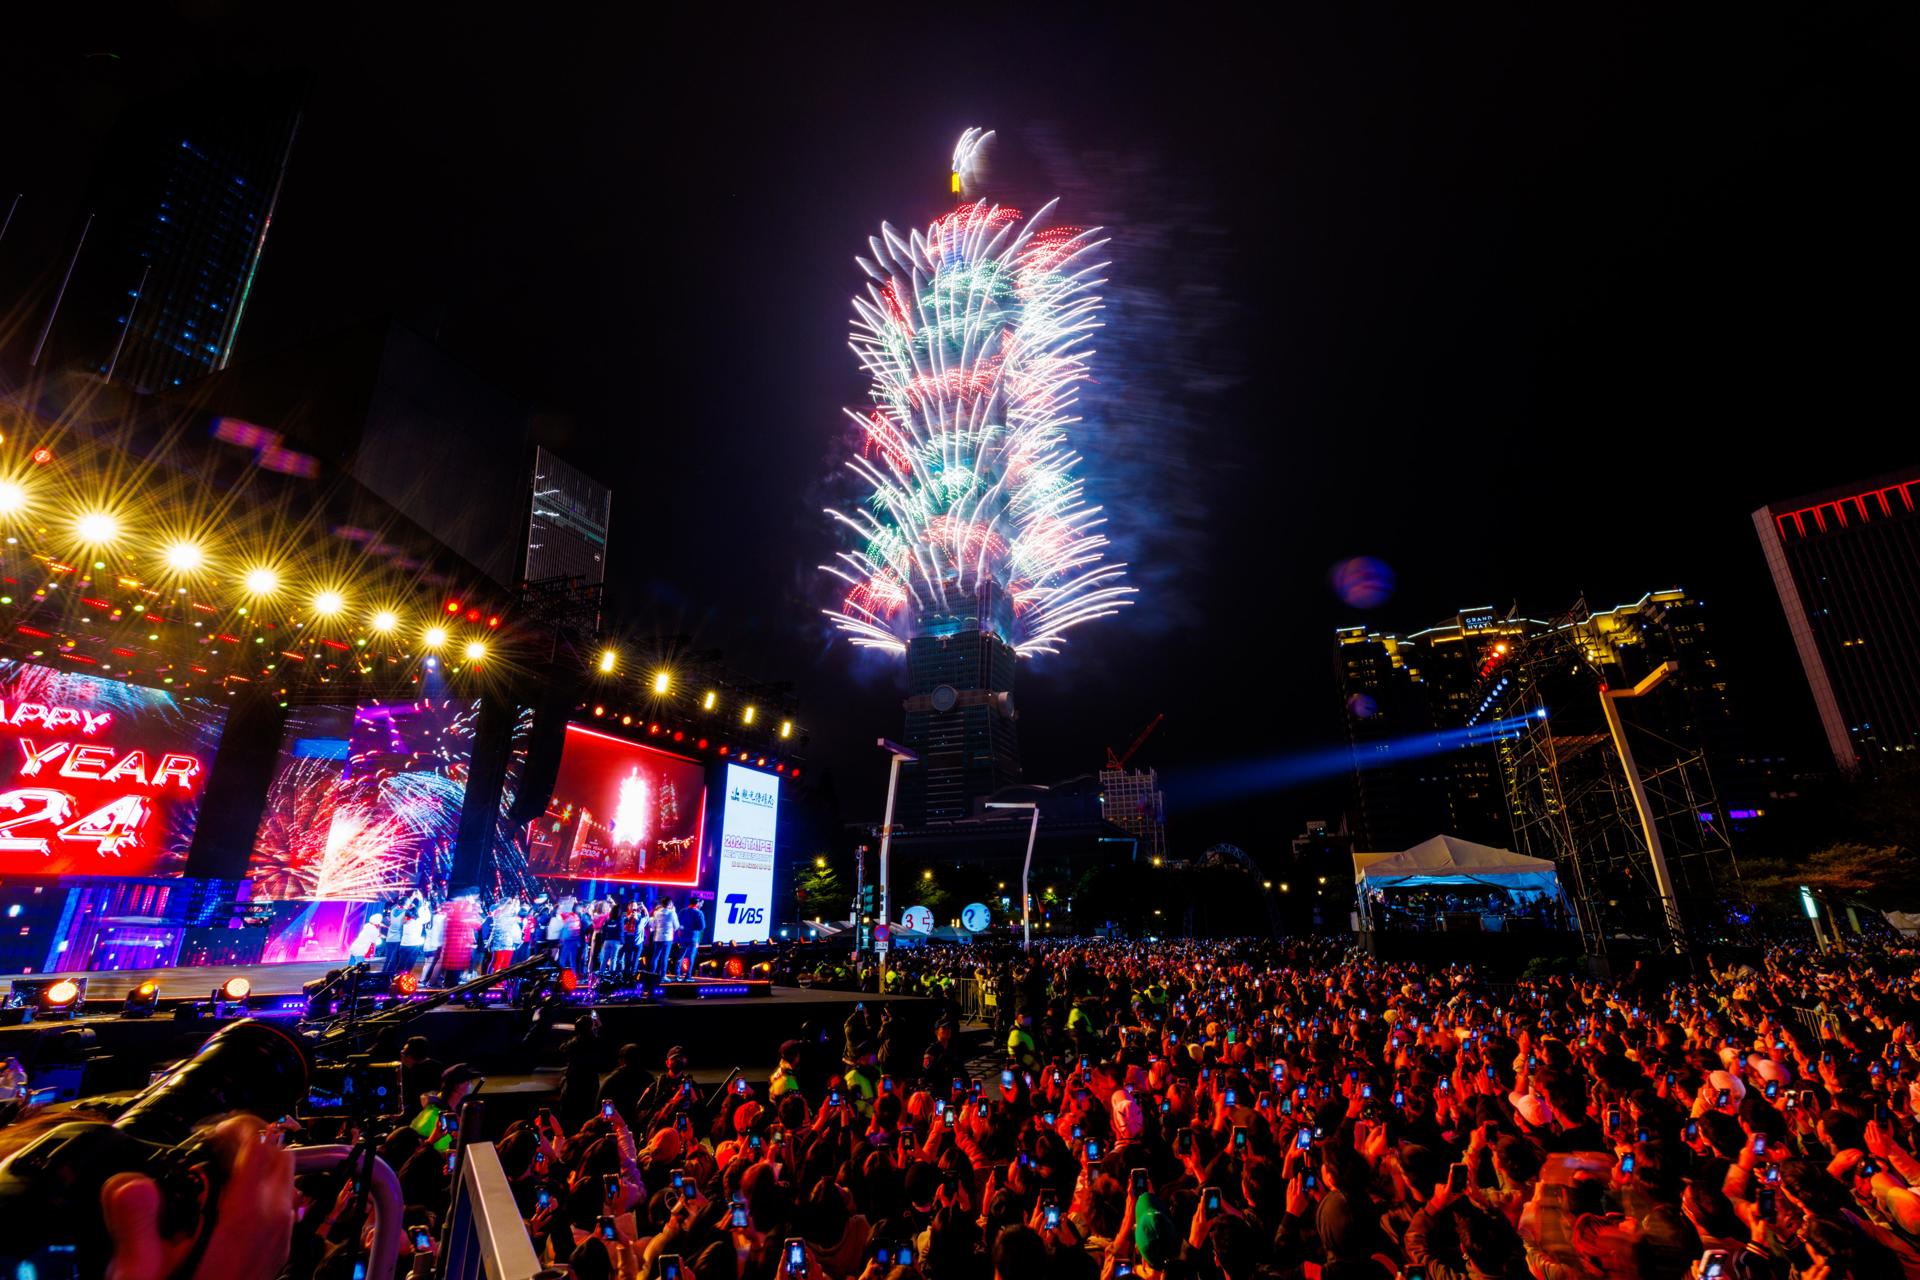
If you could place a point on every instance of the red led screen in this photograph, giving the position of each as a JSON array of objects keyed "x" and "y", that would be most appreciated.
[
  {"x": 98, "y": 777},
  {"x": 620, "y": 811}
]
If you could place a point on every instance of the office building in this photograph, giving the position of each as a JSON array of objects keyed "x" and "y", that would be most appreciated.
[
  {"x": 161, "y": 261},
  {"x": 567, "y": 533},
  {"x": 1846, "y": 565},
  {"x": 1131, "y": 800},
  {"x": 960, "y": 714},
  {"x": 1397, "y": 802}
]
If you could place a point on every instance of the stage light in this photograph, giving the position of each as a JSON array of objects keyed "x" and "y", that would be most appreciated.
[
  {"x": 406, "y": 984},
  {"x": 786, "y": 728},
  {"x": 262, "y": 582},
  {"x": 746, "y": 717},
  {"x": 662, "y": 682},
  {"x": 453, "y": 606},
  {"x": 475, "y": 651},
  {"x": 385, "y": 620},
  {"x": 185, "y": 557},
  {"x": 608, "y": 661},
  {"x": 626, "y": 719},
  {"x": 142, "y": 1000},
  {"x": 12, "y": 498},
  {"x": 235, "y": 989},
  {"x": 96, "y": 528},
  {"x": 703, "y": 744},
  {"x": 42, "y": 456},
  {"x": 599, "y": 711},
  {"x": 568, "y": 981},
  {"x": 328, "y": 603},
  {"x": 434, "y": 637},
  {"x": 60, "y": 994},
  {"x": 706, "y": 703},
  {"x": 678, "y": 735}
]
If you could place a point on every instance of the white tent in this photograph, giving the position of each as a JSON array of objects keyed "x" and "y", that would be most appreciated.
[{"x": 1450, "y": 860}]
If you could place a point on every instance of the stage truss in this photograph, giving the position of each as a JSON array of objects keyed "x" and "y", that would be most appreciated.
[{"x": 1569, "y": 798}]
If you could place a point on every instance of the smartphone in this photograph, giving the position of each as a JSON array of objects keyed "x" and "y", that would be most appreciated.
[
  {"x": 959, "y": 1085},
  {"x": 606, "y": 1110},
  {"x": 1722, "y": 1098},
  {"x": 606, "y": 1228},
  {"x": 738, "y": 1220},
  {"x": 1052, "y": 1218},
  {"x": 903, "y": 1255},
  {"x": 1626, "y": 1163},
  {"x": 1613, "y": 1119},
  {"x": 543, "y": 1198},
  {"x": 1806, "y": 1099},
  {"x": 952, "y": 1116},
  {"x": 1137, "y": 1183},
  {"x": 1049, "y": 1118},
  {"x": 1399, "y": 1097},
  {"x": 1303, "y": 1138},
  {"x": 449, "y": 1122},
  {"x": 1230, "y": 1097},
  {"x": 882, "y": 1253},
  {"x": 886, "y": 1084},
  {"x": 753, "y": 1142},
  {"x": 1006, "y": 1079},
  {"x": 610, "y": 1188},
  {"x": 833, "y": 1097},
  {"x": 1239, "y": 1137},
  {"x": 1759, "y": 1144},
  {"x": 453, "y": 1162},
  {"x": 1077, "y": 1135},
  {"x": 1366, "y": 1090},
  {"x": 1713, "y": 1264},
  {"x": 422, "y": 1239},
  {"x": 670, "y": 1268},
  {"x": 1183, "y": 1142},
  {"x": 1312, "y": 1182},
  {"x": 679, "y": 1181},
  {"x": 1093, "y": 1150},
  {"x": 1693, "y": 1131},
  {"x": 1210, "y": 1202},
  {"x": 795, "y": 1263},
  {"x": 981, "y": 1110},
  {"x": 1766, "y": 1200},
  {"x": 1121, "y": 1269}
]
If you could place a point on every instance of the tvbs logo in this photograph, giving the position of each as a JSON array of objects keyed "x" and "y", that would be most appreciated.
[{"x": 738, "y": 912}]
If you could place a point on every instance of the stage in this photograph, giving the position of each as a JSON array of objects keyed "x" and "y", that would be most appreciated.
[{"x": 718, "y": 1032}]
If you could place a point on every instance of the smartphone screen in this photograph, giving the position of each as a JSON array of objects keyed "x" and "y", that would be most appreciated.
[
  {"x": 796, "y": 1257},
  {"x": 606, "y": 1110},
  {"x": 1457, "y": 1179},
  {"x": 739, "y": 1218},
  {"x": 1212, "y": 1202}
]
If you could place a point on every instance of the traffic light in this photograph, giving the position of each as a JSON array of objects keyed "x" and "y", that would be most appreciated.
[{"x": 869, "y": 899}]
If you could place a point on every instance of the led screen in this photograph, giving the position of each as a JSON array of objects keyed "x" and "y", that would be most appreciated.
[
  {"x": 743, "y": 898},
  {"x": 620, "y": 811},
  {"x": 365, "y": 801},
  {"x": 98, "y": 777}
]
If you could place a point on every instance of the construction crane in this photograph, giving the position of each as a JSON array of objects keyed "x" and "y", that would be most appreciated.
[{"x": 1120, "y": 762}]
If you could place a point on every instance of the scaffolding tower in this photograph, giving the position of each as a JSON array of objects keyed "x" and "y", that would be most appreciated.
[{"x": 1568, "y": 794}]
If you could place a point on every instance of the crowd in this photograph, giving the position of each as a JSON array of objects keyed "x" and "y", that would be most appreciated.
[{"x": 1249, "y": 1110}]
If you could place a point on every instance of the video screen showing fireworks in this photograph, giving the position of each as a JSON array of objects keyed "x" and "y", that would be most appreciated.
[
  {"x": 620, "y": 811},
  {"x": 99, "y": 777},
  {"x": 365, "y": 801}
]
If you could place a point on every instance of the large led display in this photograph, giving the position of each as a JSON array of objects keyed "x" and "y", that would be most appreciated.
[
  {"x": 743, "y": 898},
  {"x": 98, "y": 777},
  {"x": 620, "y": 811},
  {"x": 365, "y": 801}
]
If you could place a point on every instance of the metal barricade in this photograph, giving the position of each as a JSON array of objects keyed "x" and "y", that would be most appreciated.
[{"x": 485, "y": 1235}]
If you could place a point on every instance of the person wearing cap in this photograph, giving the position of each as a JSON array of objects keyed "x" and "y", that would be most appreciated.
[
  {"x": 626, "y": 1083},
  {"x": 1020, "y": 1043},
  {"x": 786, "y": 1076},
  {"x": 457, "y": 1083},
  {"x": 674, "y": 1090}
]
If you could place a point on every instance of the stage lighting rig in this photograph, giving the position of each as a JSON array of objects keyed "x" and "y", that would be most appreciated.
[{"x": 142, "y": 1000}]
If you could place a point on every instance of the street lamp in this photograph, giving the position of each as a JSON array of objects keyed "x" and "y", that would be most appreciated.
[
  {"x": 1026, "y": 868},
  {"x": 899, "y": 754},
  {"x": 1662, "y": 878}
]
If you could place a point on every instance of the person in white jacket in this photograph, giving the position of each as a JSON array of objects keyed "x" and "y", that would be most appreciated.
[{"x": 666, "y": 925}]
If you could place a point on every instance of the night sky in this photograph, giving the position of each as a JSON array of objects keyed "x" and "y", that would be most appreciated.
[{"x": 1523, "y": 304}]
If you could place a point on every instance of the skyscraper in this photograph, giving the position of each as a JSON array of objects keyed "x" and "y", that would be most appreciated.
[
  {"x": 175, "y": 228},
  {"x": 1397, "y": 802},
  {"x": 1846, "y": 564},
  {"x": 960, "y": 715}
]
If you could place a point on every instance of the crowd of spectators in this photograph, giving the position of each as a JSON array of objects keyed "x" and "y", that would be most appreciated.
[{"x": 1226, "y": 1112}]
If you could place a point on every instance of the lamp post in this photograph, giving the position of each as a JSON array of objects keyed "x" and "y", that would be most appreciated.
[
  {"x": 1026, "y": 868},
  {"x": 899, "y": 754},
  {"x": 1656, "y": 853}
]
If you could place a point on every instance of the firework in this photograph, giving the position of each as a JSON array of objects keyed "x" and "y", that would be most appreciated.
[{"x": 976, "y": 333}]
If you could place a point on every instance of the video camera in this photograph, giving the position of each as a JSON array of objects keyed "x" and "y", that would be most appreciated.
[{"x": 50, "y": 1189}]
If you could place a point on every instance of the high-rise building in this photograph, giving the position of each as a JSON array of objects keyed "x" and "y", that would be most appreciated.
[
  {"x": 172, "y": 234},
  {"x": 1131, "y": 800},
  {"x": 1846, "y": 564},
  {"x": 959, "y": 706},
  {"x": 567, "y": 532},
  {"x": 1436, "y": 679}
]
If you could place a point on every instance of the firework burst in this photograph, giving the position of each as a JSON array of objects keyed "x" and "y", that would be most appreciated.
[{"x": 976, "y": 333}]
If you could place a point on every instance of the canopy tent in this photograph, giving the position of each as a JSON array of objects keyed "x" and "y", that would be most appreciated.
[{"x": 1449, "y": 860}]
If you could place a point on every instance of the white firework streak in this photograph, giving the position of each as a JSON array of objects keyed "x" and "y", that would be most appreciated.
[
  {"x": 369, "y": 853},
  {"x": 975, "y": 332}
]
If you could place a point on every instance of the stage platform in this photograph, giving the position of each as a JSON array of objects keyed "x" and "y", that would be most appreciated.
[{"x": 717, "y": 1032}]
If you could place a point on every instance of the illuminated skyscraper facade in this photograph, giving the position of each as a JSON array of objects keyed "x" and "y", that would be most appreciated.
[{"x": 1846, "y": 565}]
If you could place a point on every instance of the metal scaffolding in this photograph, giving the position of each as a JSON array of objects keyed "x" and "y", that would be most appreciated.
[{"x": 1569, "y": 796}]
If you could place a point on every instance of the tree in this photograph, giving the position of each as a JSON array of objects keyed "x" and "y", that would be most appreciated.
[
  {"x": 822, "y": 894},
  {"x": 1880, "y": 876}
]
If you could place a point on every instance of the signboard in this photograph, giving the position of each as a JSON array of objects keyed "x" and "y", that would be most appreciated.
[
  {"x": 98, "y": 777},
  {"x": 918, "y": 919},
  {"x": 743, "y": 897},
  {"x": 975, "y": 918},
  {"x": 620, "y": 811}
]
